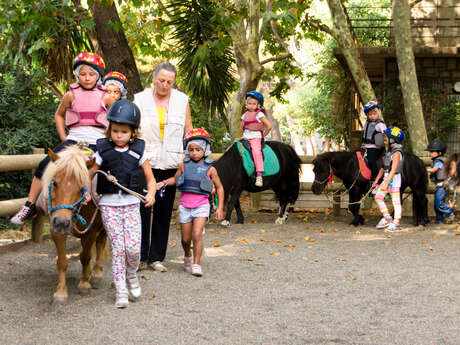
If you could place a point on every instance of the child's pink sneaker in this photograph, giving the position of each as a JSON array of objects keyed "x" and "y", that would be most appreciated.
[
  {"x": 384, "y": 222},
  {"x": 188, "y": 261}
]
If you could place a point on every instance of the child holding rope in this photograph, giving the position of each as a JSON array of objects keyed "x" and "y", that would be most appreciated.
[
  {"x": 195, "y": 178},
  {"x": 391, "y": 172},
  {"x": 122, "y": 154},
  {"x": 255, "y": 127},
  {"x": 83, "y": 111}
]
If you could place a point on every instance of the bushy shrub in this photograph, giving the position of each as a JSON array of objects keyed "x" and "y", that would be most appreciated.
[{"x": 27, "y": 110}]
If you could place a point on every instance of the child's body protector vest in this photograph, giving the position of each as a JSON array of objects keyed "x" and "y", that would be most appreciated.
[
  {"x": 250, "y": 121},
  {"x": 123, "y": 165},
  {"x": 439, "y": 175},
  {"x": 388, "y": 161},
  {"x": 369, "y": 131},
  {"x": 87, "y": 108},
  {"x": 194, "y": 178}
]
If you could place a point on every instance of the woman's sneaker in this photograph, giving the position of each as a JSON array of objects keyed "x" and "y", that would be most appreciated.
[
  {"x": 27, "y": 211},
  {"x": 384, "y": 222},
  {"x": 121, "y": 299},
  {"x": 188, "y": 261},
  {"x": 134, "y": 288},
  {"x": 393, "y": 227},
  {"x": 196, "y": 270}
]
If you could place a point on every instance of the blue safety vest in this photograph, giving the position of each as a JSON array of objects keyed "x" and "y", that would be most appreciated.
[{"x": 194, "y": 179}]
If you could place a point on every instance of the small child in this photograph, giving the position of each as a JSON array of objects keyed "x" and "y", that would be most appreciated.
[
  {"x": 255, "y": 127},
  {"x": 195, "y": 178},
  {"x": 437, "y": 149},
  {"x": 83, "y": 111},
  {"x": 116, "y": 85},
  {"x": 391, "y": 172},
  {"x": 373, "y": 137},
  {"x": 122, "y": 154}
]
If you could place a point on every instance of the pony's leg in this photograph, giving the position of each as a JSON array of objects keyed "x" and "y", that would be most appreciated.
[
  {"x": 239, "y": 212},
  {"x": 234, "y": 198},
  {"x": 283, "y": 214},
  {"x": 96, "y": 276},
  {"x": 355, "y": 195},
  {"x": 60, "y": 296},
  {"x": 87, "y": 240}
]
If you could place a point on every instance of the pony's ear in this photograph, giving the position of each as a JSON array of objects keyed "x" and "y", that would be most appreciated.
[
  {"x": 90, "y": 162},
  {"x": 53, "y": 156}
]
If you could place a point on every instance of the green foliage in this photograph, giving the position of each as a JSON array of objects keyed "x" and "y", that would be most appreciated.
[{"x": 26, "y": 121}]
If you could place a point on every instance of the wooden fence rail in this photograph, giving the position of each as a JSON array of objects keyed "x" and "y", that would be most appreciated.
[{"x": 27, "y": 162}]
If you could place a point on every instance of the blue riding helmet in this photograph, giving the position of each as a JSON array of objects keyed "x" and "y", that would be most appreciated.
[
  {"x": 370, "y": 105},
  {"x": 394, "y": 134},
  {"x": 257, "y": 95}
]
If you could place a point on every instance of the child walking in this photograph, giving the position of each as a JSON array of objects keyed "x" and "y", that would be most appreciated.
[
  {"x": 116, "y": 85},
  {"x": 437, "y": 149},
  {"x": 255, "y": 127},
  {"x": 122, "y": 154},
  {"x": 195, "y": 179},
  {"x": 373, "y": 137},
  {"x": 391, "y": 172},
  {"x": 83, "y": 111}
]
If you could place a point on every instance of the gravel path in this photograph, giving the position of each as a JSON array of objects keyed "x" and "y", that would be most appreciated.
[{"x": 314, "y": 280}]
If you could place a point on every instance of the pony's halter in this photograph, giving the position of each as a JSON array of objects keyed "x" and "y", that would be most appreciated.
[
  {"x": 328, "y": 178},
  {"x": 75, "y": 207}
]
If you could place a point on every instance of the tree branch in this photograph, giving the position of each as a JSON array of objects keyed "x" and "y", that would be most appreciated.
[
  {"x": 319, "y": 26},
  {"x": 276, "y": 58},
  {"x": 415, "y": 2}
]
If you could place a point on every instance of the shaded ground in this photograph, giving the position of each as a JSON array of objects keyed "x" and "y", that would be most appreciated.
[{"x": 314, "y": 280}]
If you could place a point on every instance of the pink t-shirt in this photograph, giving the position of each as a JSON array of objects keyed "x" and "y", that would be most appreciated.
[{"x": 193, "y": 200}]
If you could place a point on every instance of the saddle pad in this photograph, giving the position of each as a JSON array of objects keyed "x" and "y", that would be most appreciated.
[
  {"x": 365, "y": 171},
  {"x": 271, "y": 163}
]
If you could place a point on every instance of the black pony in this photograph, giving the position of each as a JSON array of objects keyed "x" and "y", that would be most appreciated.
[
  {"x": 345, "y": 166},
  {"x": 234, "y": 179}
]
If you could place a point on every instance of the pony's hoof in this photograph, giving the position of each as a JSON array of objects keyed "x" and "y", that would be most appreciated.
[
  {"x": 280, "y": 220},
  {"x": 59, "y": 299},
  {"x": 84, "y": 288},
  {"x": 96, "y": 282},
  {"x": 225, "y": 223}
]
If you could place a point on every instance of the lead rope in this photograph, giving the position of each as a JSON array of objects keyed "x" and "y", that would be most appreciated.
[{"x": 114, "y": 180}]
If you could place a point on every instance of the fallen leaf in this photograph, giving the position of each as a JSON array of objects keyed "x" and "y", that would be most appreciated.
[
  {"x": 456, "y": 233},
  {"x": 216, "y": 244},
  {"x": 152, "y": 297},
  {"x": 275, "y": 253},
  {"x": 289, "y": 245},
  {"x": 171, "y": 244},
  {"x": 304, "y": 258},
  {"x": 310, "y": 247},
  {"x": 388, "y": 236},
  {"x": 307, "y": 227},
  {"x": 278, "y": 241},
  {"x": 436, "y": 235},
  {"x": 411, "y": 241},
  {"x": 351, "y": 278},
  {"x": 218, "y": 228},
  {"x": 336, "y": 230},
  {"x": 319, "y": 230},
  {"x": 264, "y": 240},
  {"x": 308, "y": 239},
  {"x": 143, "y": 276},
  {"x": 247, "y": 250},
  {"x": 243, "y": 240},
  {"x": 223, "y": 233},
  {"x": 358, "y": 232},
  {"x": 341, "y": 259},
  {"x": 246, "y": 259},
  {"x": 254, "y": 220},
  {"x": 263, "y": 230},
  {"x": 211, "y": 230},
  {"x": 386, "y": 242},
  {"x": 259, "y": 264}
]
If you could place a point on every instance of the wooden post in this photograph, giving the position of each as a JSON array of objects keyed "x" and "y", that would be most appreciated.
[
  {"x": 336, "y": 206},
  {"x": 255, "y": 200},
  {"x": 37, "y": 222}
]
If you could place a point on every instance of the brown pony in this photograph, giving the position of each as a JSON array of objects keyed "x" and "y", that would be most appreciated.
[{"x": 65, "y": 182}]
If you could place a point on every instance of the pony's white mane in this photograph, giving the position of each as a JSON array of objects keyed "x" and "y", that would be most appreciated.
[{"x": 72, "y": 161}]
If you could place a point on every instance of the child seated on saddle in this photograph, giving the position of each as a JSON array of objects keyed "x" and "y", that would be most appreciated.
[
  {"x": 195, "y": 179},
  {"x": 255, "y": 127},
  {"x": 83, "y": 111},
  {"x": 392, "y": 178},
  {"x": 437, "y": 149},
  {"x": 373, "y": 137},
  {"x": 116, "y": 85},
  {"x": 122, "y": 154}
]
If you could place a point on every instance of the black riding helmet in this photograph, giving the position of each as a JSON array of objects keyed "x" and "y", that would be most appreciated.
[
  {"x": 124, "y": 111},
  {"x": 437, "y": 146}
]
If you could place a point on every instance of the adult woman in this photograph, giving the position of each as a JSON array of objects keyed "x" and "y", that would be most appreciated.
[{"x": 165, "y": 117}]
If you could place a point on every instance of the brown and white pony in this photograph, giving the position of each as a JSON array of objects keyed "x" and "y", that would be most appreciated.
[{"x": 65, "y": 181}]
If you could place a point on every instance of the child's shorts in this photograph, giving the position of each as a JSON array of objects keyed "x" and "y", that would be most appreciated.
[{"x": 186, "y": 214}]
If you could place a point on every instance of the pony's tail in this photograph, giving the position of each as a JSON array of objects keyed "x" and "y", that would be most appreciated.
[{"x": 294, "y": 184}]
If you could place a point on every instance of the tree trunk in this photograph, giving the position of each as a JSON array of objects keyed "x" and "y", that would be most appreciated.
[
  {"x": 275, "y": 132},
  {"x": 115, "y": 49},
  {"x": 343, "y": 33},
  {"x": 408, "y": 76}
]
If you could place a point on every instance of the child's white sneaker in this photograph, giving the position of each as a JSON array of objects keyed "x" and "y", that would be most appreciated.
[
  {"x": 259, "y": 181},
  {"x": 196, "y": 270},
  {"x": 384, "y": 222},
  {"x": 393, "y": 227},
  {"x": 121, "y": 299},
  {"x": 134, "y": 287}
]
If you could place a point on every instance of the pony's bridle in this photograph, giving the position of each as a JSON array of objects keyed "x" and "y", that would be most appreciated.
[
  {"x": 75, "y": 207},
  {"x": 328, "y": 178}
]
